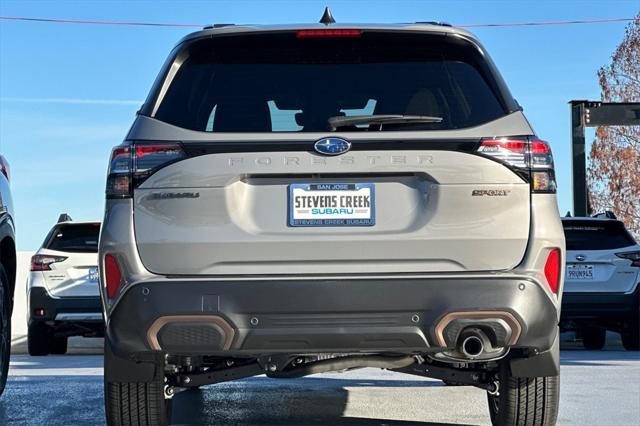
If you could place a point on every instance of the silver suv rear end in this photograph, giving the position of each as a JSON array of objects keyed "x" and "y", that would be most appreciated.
[{"x": 293, "y": 200}]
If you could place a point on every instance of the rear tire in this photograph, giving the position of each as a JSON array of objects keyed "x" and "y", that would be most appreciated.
[
  {"x": 631, "y": 336},
  {"x": 129, "y": 402},
  {"x": 58, "y": 345},
  {"x": 594, "y": 338},
  {"x": 38, "y": 339},
  {"x": 136, "y": 403},
  {"x": 5, "y": 328},
  {"x": 530, "y": 401}
]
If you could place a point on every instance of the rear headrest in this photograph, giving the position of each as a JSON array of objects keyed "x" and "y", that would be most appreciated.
[
  {"x": 423, "y": 102},
  {"x": 242, "y": 115}
]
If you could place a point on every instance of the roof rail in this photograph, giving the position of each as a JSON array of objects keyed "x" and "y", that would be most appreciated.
[
  {"x": 64, "y": 218},
  {"x": 442, "y": 24}
]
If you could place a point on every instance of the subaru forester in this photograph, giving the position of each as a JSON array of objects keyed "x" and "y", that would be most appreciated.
[{"x": 292, "y": 200}]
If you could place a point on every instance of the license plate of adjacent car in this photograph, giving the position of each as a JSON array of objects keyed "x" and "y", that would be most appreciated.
[
  {"x": 332, "y": 204},
  {"x": 580, "y": 272}
]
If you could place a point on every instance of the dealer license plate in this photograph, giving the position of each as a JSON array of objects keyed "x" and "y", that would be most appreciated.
[{"x": 332, "y": 204}]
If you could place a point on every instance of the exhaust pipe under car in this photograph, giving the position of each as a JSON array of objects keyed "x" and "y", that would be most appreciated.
[
  {"x": 472, "y": 347},
  {"x": 473, "y": 343}
]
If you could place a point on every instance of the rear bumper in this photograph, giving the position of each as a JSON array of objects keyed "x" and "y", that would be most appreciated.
[
  {"x": 63, "y": 310},
  {"x": 259, "y": 317},
  {"x": 600, "y": 306}
]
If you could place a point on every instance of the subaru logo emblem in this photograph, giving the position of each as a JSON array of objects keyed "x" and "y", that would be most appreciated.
[
  {"x": 581, "y": 257},
  {"x": 332, "y": 146}
]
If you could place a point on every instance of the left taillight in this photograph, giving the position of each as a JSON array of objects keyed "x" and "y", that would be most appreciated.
[
  {"x": 43, "y": 262},
  {"x": 112, "y": 275},
  {"x": 132, "y": 164},
  {"x": 552, "y": 269},
  {"x": 633, "y": 256},
  {"x": 527, "y": 156}
]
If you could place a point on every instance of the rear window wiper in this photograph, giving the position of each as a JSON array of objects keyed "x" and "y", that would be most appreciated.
[{"x": 341, "y": 121}]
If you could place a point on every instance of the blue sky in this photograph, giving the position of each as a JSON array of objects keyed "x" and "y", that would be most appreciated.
[{"x": 68, "y": 93}]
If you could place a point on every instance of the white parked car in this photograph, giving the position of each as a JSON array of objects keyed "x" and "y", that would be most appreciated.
[
  {"x": 63, "y": 287},
  {"x": 601, "y": 289}
]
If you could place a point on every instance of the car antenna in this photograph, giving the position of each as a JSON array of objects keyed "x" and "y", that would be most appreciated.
[{"x": 327, "y": 17}]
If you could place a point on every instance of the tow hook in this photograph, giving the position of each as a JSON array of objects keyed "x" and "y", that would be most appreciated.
[
  {"x": 169, "y": 391},
  {"x": 494, "y": 389}
]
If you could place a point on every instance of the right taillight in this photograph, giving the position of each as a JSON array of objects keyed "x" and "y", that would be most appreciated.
[
  {"x": 529, "y": 157},
  {"x": 43, "y": 262},
  {"x": 132, "y": 164},
  {"x": 112, "y": 275},
  {"x": 633, "y": 256}
]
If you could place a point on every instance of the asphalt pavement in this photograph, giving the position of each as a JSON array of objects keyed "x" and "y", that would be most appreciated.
[{"x": 598, "y": 388}]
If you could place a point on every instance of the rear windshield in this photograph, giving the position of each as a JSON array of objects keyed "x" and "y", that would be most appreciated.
[
  {"x": 74, "y": 238},
  {"x": 279, "y": 83},
  {"x": 596, "y": 235}
]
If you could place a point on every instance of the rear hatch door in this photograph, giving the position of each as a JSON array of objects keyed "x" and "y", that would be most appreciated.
[{"x": 247, "y": 120}]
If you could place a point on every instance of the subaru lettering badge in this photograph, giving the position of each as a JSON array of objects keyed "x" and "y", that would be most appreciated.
[{"x": 332, "y": 146}]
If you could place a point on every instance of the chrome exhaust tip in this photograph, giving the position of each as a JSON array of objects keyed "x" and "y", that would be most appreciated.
[{"x": 472, "y": 347}]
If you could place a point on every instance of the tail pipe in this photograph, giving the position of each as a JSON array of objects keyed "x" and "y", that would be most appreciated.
[{"x": 473, "y": 343}]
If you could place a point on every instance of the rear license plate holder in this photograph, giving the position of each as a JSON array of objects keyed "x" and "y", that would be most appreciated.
[
  {"x": 331, "y": 204},
  {"x": 580, "y": 272}
]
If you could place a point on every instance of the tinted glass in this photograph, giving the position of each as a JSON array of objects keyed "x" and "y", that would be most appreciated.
[
  {"x": 277, "y": 82},
  {"x": 596, "y": 235},
  {"x": 74, "y": 238}
]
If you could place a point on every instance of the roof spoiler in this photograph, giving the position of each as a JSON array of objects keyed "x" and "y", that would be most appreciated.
[{"x": 64, "y": 218}]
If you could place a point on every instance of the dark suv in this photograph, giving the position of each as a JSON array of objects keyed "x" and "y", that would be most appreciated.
[
  {"x": 292, "y": 200},
  {"x": 7, "y": 269}
]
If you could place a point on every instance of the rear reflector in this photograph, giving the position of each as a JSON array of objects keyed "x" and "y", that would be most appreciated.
[
  {"x": 552, "y": 269},
  {"x": 39, "y": 312},
  {"x": 42, "y": 262},
  {"x": 328, "y": 33},
  {"x": 113, "y": 276}
]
